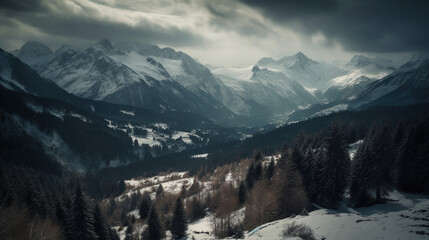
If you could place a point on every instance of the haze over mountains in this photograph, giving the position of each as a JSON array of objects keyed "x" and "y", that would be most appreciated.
[{"x": 163, "y": 79}]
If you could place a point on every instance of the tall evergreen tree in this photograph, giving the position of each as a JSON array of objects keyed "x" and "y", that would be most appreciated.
[
  {"x": 297, "y": 158},
  {"x": 179, "y": 224},
  {"x": 154, "y": 229},
  {"x": 145, "y": 206},
  {"x": 250, "y": 177},
  {"x": 242, "y": 193},
  {"x": 100, "y": 227},
  {"x": 82, "y": 224},
  {"x": 269, "y": 172},
  {"x": 382, "y": 162},
  {"x": 257, "y": 174},
  {"x": 308, "y": 174},
  {"x": 361, "y": 169},
  {"x": 160, "y": 190},
  {"x": 334, "y": 174}
]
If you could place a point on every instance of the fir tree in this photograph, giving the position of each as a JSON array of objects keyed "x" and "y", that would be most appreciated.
[
  {"x": 154, "y": 229},
  {"x": 297, "y": 158},
  {"x": 269, "y": 173},
  {"x": 334, "y": 174},
  {"x": 100, "y": 226},
  {"x": 160, "y": 190},
  {"x": 145, "y": 207},
  {"x": 178, "y": 224},
  {"x": 359, "y": 194},
  {"x": 257, "y": 174},
  {"x": 308, "y": 174},
  {"x": 381, "y": 154},
  {"x": 250, "y": 179},
  {"x": 242, "y": 193},
  {"x": 82, "y": 224}
]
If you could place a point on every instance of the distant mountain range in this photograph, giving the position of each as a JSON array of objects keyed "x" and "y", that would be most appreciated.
[{"x": 162, "y": 79}]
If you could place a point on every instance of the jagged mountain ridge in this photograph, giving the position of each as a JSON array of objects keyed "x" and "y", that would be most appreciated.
[
  {"x": 102, "y": 72},
  {"x": 161, "y": 78},
  {"x": 361, "y": 71}
]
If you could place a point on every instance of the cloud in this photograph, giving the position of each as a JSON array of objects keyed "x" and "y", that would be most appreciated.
[
  {"x": 21, "y": 5},
  {"x": 90, "y": 20},
  {"x": 357, "y": 25}
]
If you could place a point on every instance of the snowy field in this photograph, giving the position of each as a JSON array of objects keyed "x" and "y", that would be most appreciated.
[{"x": 405, "y": 217}]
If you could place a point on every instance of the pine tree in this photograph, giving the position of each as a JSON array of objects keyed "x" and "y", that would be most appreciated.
[
  {"x": 82, "y": 224},
  {"x": 269, "y": 173},
  {"x": 334, "y": 174},
  {"x": 413, "y": 164},
  {"x": 154, "y": 229},
  {"x": 257, "y": 171},
  {"x": 381, "y": 154},
  {"x": 160, "y": 190},
  {"x": 359, "y": 194},
  {"x": 308, "y": 174},
  {"x": 145, "y": 206},
  {"x": 242, "y": 193},
  {"x": 178, "y": 224},
  {"x": 100, "y": 227},
  {"x": 250, "y": 179},
  {"x": 297, "y": 158}
]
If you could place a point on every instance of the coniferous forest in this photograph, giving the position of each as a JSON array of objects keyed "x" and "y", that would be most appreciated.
[{"x": 228, "y": 119}]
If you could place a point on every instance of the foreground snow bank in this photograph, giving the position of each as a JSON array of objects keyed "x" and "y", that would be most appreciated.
[{"x": 405, "y": 217}]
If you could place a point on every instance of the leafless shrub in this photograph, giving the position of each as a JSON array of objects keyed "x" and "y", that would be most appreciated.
[{"x": 298, "y": 230}]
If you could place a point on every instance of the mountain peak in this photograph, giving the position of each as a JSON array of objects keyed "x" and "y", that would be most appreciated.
[
  {"x": 301, "y": 56},
  {"x": 35, "y": 49},
  {"x": 256, "y": 69},
  {"x": 104, "y": 44}
]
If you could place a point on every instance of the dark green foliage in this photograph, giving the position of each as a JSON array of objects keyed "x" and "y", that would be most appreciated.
[
  {"x": 382, "y": 162},
  {"x": 242, "y": 193},
  {"x": 145, "y": 206},
  {"x": 361, "y": 176},
  {"x": 82, "y": 223},
  {"x": 413, "y": 164},
  {"x": 100, "y": 226},
  {"x": 178, "y": 224},
  {"x": 335, "y": 172},
  {"x": 257, "y": 174},
  {"x": 250, "y": 177},
  {"x": 269, "y": 172},
  {"x": 154, "y": 229},
  {"x": 160, "y": 190},
  {"x": 308, "y": 173}
]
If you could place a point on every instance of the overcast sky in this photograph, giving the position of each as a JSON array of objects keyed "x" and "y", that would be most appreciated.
[{"x": 226, "y": 32}]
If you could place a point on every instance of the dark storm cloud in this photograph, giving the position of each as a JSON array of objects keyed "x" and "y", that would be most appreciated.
[
  {"x": 225, "y": 15},
  {"x": 357, "y": 25},
  {"x": 20, "y": 5},
  {"x": 85, "y": 20}
]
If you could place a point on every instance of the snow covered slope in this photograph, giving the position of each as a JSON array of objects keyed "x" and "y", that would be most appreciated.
[
  {"x": 269, "y": 92},
  {"x": 405, "y": 217},
  {"x": 361, "y": 71},
  {"x": 305, "y": 71},
  {"x": 137, "y": 78},
  {"x": 408, "y": 85}
]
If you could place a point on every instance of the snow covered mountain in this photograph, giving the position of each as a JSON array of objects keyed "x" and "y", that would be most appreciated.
[
  {"x": 269, "y": 91},
  {"x": 408, "y": 85},
  {"x": 360, "y": 71},
  {"x": 162, "y": 79},
  {"x": 307, "y": 72}
]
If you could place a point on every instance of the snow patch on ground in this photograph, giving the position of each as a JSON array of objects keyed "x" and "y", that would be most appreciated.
[
  {"x": 405, "y": 217},
  {"x": 127, "y": 112},
  {"x": 353, "y": 147},
  {"x": 336, "y": 108},
  {"x": 203, "y": 155}
]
